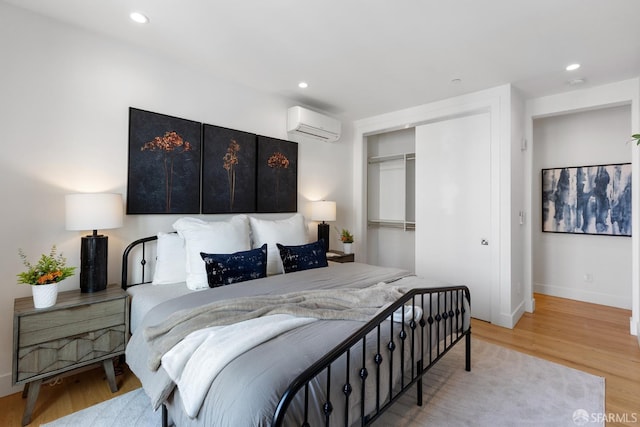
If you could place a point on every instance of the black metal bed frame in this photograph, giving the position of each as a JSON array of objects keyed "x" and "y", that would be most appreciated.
[{"x": 449, "y": 315}]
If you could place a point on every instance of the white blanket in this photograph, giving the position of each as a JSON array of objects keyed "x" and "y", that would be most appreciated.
[
  {"x": 411, "y": 312},
  {"x": 195, "y": 361}
]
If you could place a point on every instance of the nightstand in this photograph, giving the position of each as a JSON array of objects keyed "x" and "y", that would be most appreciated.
[
  {"x": 79, "y": 330},
  {"x": 338, "y": 256}
]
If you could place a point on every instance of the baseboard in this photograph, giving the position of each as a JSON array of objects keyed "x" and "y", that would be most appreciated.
[
  {"x": 6, "y": 388},
  {"x": 517, "y": 313},
  {"x": 507, "y": 320},
  {"x": 530, "y": 305},
  {"x": 582, "y": 295}
]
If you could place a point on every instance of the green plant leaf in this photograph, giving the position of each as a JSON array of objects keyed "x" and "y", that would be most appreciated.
[{"x": 49, "y": 269}]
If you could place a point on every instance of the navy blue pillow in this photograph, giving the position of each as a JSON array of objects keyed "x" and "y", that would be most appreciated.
[
  {"x": 225, "y": 269},
  {"x": 303, "y": 257}
]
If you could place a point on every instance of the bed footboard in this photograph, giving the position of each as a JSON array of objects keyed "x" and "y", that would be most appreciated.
[{"x": 406, "y": 348}]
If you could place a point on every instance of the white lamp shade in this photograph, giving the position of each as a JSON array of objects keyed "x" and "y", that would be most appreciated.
[
  {"x": 93, "y": 211},
  {"x": 323, "y": 211}
]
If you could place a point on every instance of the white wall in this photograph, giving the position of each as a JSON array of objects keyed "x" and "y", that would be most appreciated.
[
  {"x": 64, "y": 99},
  {"x": 583, "y": 267},
  {"x": 519, "y": 299}
]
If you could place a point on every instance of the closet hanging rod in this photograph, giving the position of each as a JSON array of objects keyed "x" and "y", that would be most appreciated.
[{"x": 391, "y": 157}]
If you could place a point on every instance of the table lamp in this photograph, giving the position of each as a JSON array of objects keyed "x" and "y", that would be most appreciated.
[
  {"x": 93, "y": 211},
  {"x": 323, "y": 211}
]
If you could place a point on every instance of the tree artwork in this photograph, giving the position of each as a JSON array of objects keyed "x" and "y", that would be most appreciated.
[
  {"x": 170, "y": 145},
  {"x": 277, "y": 162},
  {"x": 230, "y": 160}
]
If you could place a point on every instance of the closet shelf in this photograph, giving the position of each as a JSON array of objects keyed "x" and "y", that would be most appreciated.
[
  {"x": 392, "y": 223},
  {"x": 391, "y": 157}
]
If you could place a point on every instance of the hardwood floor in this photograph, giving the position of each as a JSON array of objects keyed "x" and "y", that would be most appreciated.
[
  {"x": 588, "y": 337},
  {"x": 70, "y": 394}
]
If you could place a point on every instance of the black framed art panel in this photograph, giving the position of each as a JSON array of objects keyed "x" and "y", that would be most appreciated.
[
  {"x": 277, "y": 187},
  {"x": 164, "y": 164},
  {"x": 228, "y": 170},
  {"x": 587, "y": 200}
]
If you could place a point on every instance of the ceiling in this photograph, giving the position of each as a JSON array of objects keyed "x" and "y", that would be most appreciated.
[{"x": 367, "y": 57}]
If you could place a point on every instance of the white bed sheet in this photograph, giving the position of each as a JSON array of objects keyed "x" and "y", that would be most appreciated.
[{"x": 145, "y": 297}]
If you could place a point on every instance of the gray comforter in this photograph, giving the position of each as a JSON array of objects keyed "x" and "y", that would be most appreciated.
[{"x": 247, "y": 391}]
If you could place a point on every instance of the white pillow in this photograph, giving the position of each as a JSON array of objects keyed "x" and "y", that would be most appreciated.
[
  {"x": 171, "y": 260},
  {"x": 289, "y": 232},
  {"x": 218, "y": 237}
]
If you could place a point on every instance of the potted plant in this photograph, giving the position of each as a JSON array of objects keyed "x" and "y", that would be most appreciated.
[
  {"x": 347, "y": 239},
  {"x": 45, "y": 276}
]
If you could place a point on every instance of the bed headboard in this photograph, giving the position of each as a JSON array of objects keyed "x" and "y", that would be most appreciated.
[{"x": 140, "y": 256}]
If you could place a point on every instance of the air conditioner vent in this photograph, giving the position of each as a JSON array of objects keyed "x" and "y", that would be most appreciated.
[{"x": 310, "y": 124}]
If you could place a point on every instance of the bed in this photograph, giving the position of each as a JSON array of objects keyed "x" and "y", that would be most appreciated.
[{"x": 321, "y": 368}]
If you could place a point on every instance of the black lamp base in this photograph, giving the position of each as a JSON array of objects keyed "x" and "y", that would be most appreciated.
[
  {"x": 323, "y": 233},
  {"x": 93, "y": 263}
]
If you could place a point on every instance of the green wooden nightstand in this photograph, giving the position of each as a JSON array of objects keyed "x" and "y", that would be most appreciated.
[{"x": 80, "y": 329}]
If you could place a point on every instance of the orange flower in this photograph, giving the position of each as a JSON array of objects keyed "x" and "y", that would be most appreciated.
[
  {"x": 278, "y": 160},
  {"x": 231, "y": 157},
  {"x": 49, "y": 277},
  {"x": 171, "y": 141},
  {"x": 170, "y": 145}
]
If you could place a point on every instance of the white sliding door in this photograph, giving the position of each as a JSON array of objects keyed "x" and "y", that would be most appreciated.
[{"x": 453, "y": 205}]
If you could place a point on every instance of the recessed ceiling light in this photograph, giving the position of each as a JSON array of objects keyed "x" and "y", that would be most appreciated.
[
  {"x": 139, "y": 17},
  {"x": 456, "y": 81},
  {"x": 303, "y": 85},
  {"x": 572, "y": 67}
]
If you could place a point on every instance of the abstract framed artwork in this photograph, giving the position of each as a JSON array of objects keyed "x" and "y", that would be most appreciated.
[
  {"x": 587, "y": 200},
  {"x": 228, "y": 170},
  {"x": 164, "y": 164},
  {"x": 277, "y": 188}
]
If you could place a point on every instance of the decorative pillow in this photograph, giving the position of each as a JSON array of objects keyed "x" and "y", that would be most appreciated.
[
  {"x": 225, "y": 269},
  {"x": 218, "y": 237},
  {"x": 171, "y": 260},
  {"x": 290, "y": 231},
  {"x": 303, "y": 257}
]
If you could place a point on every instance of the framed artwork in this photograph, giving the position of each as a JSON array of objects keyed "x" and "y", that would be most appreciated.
[
  {"x": 228, "y": 170},
  {"x": 277, "y": 189},
  {"x": 164, "y": 164},
  {"x": 587, "y": 200}
]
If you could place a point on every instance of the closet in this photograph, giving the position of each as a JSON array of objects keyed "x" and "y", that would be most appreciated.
[
  {"x": 391, "y": 199},
  {"x": 429, "y": 203}
]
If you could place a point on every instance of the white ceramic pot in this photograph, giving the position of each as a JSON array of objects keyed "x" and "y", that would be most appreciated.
[
  {"x": 346, "y": 248},
  {"x": 44, "y": 295}
]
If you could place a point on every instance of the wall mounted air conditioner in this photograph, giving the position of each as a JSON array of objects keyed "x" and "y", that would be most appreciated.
[{"x": 304, "y": 122}]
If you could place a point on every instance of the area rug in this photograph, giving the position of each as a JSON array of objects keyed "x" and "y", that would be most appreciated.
[{"x": 504, "y": 388}]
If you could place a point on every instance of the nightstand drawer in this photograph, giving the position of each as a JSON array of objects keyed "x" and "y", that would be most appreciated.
[
  {"x": 54, "y": 355},
  {"x": 50, "y": 326}
]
